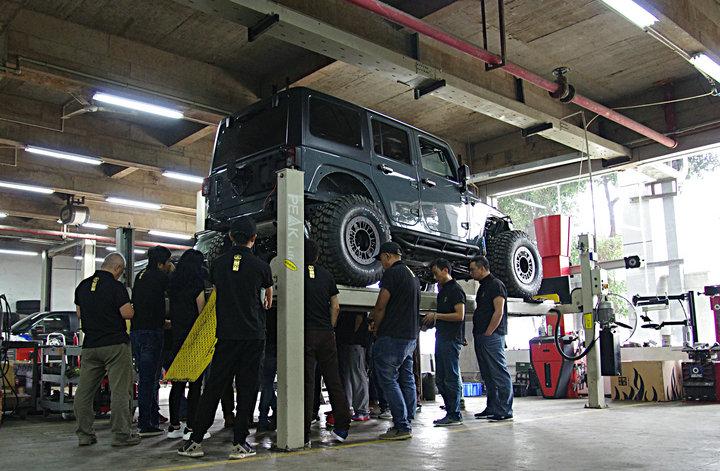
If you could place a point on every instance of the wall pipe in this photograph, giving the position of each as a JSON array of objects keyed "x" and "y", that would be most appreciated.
[
  {"x": 411, "y": 22},
  {"x": 75, "y": 235}
]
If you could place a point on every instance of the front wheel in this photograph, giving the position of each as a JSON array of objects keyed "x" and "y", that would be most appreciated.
[{"x": 515, "y": 259}]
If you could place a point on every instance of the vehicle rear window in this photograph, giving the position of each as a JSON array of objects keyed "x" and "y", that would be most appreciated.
[
  {"x": 436, "y": 159},
  {"x": 335, "y": 122},
  {"x": 252, "y": 133},
  {"x": 391, "y": 142}
]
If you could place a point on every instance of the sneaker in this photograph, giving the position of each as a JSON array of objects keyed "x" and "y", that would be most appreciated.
[
  {"x": 360, "y": 417},
  {"x": 131, "y": 440},
  {"x": 395, "y": 434},
  {"x": 483, "y": 415},
  {"x": 150, "y": 432},
  {"x": 175, "y": 433},
  {"x": 162, "y": 419},
  {"x": 87, "y": 441},
  {"x": 330, "y": 420},
  {"x": 308, "y": 444},
  {"x": 340, "y": 435},
  {"x": 500, "y": 417},
  {"x": 191, "y": 449},
  {"x": 385, "y": 414},
  {"x": 447, "y": 422},
  {"x": 188, "y": 433},
  {"x": 241, "y": 450},
  {"x": 315, "y": 420}
]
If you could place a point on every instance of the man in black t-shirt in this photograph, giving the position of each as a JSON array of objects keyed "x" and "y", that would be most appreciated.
[
  {"x": 238, "y": 276},
  {"x": 103, "y": 305},
  {"x": 449, "y": 337},
  {"x": 395, "y": 321},
  {"x": 321, "y": 312},
  {"x": 147, "y": 335},
  {"x": 489, "y": 331}
]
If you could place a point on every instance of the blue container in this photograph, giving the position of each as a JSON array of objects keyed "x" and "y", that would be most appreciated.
[{"x": 472, "y": 389}]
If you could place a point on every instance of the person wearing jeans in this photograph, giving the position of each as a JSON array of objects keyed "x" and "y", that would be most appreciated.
[
  {"x": 489, "y": 330},
  {"x": 147, "y": 335},
  {"x": 449, "y": 336},
  {"x": 352, "y": 349},
  {"x": 395, "y": 322}
]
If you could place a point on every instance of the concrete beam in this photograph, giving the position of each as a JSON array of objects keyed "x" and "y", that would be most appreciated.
[
  {"x": 693, "y": 25},
  {"x": 340, "y": 33}
]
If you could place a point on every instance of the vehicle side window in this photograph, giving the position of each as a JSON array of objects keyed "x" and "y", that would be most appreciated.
[
  {"x": 54, "y": 323},
  {"x": 436, "y": 159},
  {"x": 335, "y": 123},
  {"x": 391, "y": 142}
]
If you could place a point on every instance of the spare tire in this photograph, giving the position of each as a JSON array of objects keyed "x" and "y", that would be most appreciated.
[
  {"x": 349, "y": 231},
  {"x": 515, "y": 259}
]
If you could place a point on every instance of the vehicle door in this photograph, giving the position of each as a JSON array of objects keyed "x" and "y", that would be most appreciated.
[
  {"x": 395, "y": 172},
  {"x": 443, "y": 206}
]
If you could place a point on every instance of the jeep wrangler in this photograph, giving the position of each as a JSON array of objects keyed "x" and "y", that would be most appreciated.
[{"x": 368, "y": 179}]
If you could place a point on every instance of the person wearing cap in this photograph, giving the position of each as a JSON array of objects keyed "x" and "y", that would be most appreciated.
[
  {"x": 147, "y": 335},
  {"x": 395, "y": 322},
  {"x": 238, "y": 276}
]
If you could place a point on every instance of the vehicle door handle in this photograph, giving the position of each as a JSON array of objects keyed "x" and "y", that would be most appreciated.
[
  {"x": 429, "y": 182},
  {"x": 385, "y": 169}
]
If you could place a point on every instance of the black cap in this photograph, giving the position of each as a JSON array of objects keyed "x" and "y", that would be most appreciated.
[
  {"x": 244, "y": 225},
  {"x": 389, "y": 247}
]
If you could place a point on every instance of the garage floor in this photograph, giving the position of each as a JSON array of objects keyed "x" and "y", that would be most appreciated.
[{"x": 546, "y": 434}]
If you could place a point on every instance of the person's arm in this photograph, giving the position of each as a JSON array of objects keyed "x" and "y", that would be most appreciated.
[
  {"x": 77, "y": 310},
  {"x": 268, "y": 285},
  {"x": 127, "y": 311},
  {"x": 200, "y": 301},
  {"x": 334, "y": 309},
  {"x": 499, "y": 305},
  {"x": 268, "y": 298},
  {"x": 457, "y": 316},
  {"x": 359, "y": 318},
  {"x": 378, "y": 312}
]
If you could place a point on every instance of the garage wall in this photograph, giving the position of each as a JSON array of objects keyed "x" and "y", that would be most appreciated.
[{"x": 20, "y": 279}]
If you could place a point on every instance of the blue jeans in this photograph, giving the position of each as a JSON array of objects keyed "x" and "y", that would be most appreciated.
[
  {"x": 490, "y": 352},
  {"x": 393, "y": 360},
  {"x": 268, "y": 398},
  {"x": 147, "y": 346},
  {"x": 449, "y": 384}
]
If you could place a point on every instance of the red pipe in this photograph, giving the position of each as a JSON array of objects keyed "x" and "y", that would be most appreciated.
[
  {"x": 409, "y": 21},
  {"x": 75, "y": 235}
]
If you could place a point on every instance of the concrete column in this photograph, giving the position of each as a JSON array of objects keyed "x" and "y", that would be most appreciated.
[
  {"x": 124, "y": 244},
  {"x": 46, "y": 281},
  {"x": 290, "y": 301},
  {"x": 88, "y": 258}
]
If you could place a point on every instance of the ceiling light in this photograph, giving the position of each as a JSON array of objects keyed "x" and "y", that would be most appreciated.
[
  {"x": 706, "y": 65},
  {"x": 63, "y": 155},
  {"x": 530, "y": 203},
  {"x": 170, "y": 235},
  {"x": 23, "y": 187},
  {"x": 137, "y": 105},
  {"x": 633, "y": 12},
  {"x": 18, "y": 252},
  {"x": 183, "y": 176},
  {"x": 136, "y": 251},
  {"x": 133, "y": 203},
  {"x": 94, "y": 225},
  {"x": 3, "y": 215},
  {"x": 97, "y": 260}
]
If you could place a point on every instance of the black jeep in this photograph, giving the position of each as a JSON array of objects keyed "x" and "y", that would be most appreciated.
[{"x": 368, "y": 179}]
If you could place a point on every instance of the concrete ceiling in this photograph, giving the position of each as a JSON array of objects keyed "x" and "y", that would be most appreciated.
[{"x": 194, "y": 56}]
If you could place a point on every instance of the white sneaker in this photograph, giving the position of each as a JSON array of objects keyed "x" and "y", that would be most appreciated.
[
  {"x": 386, "y": 414},
  {"x": 175, "y": 433},
  {"x": 188, "y": 433}
]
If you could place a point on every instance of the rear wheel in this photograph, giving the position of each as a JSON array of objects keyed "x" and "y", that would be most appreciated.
[
  {"x": 349, "y": 231},
  {"x": 514, "y": 259}
]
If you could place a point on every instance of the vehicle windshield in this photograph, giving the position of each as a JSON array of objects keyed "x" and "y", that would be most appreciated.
[
  {"x": 23, "y": 325},
  {"x": 254, "y": 132}
]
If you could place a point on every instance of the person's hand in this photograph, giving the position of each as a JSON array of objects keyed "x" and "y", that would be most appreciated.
[
  {"x": 371, "y": 327},
  {"x": 267, "y": 304},
  {"x": 487, "y": 334},
  {"x": 429, "y": 319}
]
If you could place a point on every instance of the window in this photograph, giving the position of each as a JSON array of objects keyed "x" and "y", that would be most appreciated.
[
  {"x": 53, "y": 323},
  {"x": 436, "y": 159},
  {"x": 391, "y": 142},
  {"x": 335, "y": 122}
]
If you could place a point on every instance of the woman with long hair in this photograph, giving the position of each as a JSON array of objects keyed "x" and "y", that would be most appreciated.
[{"x": 187, "y": 300}]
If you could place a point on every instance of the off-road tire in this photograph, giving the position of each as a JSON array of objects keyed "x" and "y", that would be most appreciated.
[
  {"x": 515, "y": 259},
  {"x": 337, "y": 228},
  {"x": 217, "y": 246}
]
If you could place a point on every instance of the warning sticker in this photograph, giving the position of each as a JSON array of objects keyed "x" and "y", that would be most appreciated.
[
  {"x": 290, "y": 265},
  {"x": 588, "y": 321}
]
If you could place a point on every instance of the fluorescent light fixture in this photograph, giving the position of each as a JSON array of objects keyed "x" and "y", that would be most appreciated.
[
  {"x": 706, "y": 65},
  {"x": 633, "y": 12},
  {"x": 132, "y": 203},
  {"x": 183, "y": 176},
  {"x": 97, "y": 259},
  {"x": 136, "y": 251},
  {"x": 530, "y": 203},
  {"x": 23, "y": 187},
  {"x": 18, "y": 252},
  {"x": 63, "y": 155},
  {"x": 94, "y": 225},
  {"x": 170, "y": 235},
  {"x": 3, "y": 215},
  {"x": 137, "y": 105}
]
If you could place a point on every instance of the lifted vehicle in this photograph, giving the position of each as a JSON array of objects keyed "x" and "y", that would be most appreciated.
[{"x": 368, "y": 179}]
